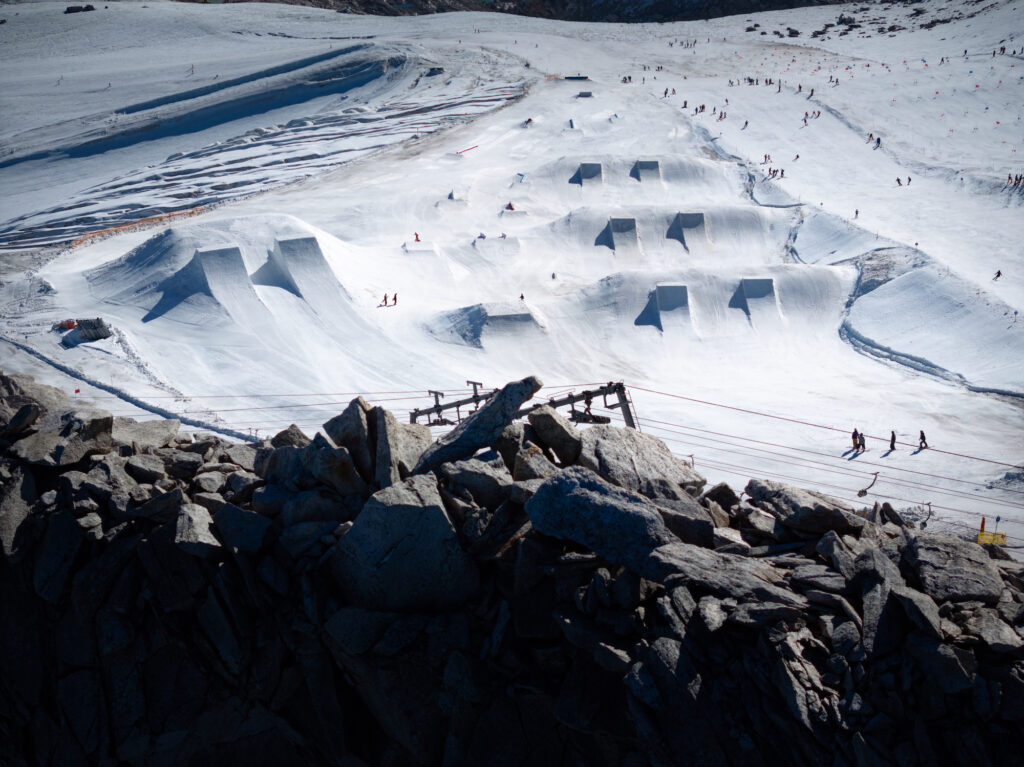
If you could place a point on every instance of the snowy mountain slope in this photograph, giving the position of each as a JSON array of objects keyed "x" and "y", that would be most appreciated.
[{"x": 757, "y": 320}]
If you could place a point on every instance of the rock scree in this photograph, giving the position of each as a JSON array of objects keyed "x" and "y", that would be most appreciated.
[{"x": 512, "y": 594}]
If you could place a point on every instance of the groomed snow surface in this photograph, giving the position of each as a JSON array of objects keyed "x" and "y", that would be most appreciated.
[{"x": 320, "y": 162}]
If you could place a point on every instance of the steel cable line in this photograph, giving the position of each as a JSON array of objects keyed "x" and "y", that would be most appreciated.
[
  {"x": 853, "y": 472},
  {"x": 826, "y": 455},
  {"x": 809, "y": 423}
]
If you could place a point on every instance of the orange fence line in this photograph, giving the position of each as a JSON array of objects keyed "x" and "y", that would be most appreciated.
[{"x": 136, "y": 224}]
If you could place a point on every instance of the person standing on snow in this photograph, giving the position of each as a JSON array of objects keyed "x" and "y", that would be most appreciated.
[
  {"x": 922, "y": 442},
  {"x": 862, "y": 443},
  {"x": 855, "y": 437},
  {"x": 394, "y": 300},
  {"x": 892, "y": 440}
]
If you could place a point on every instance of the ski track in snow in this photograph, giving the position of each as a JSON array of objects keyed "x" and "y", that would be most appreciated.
[{"x": 694, "y": 274}]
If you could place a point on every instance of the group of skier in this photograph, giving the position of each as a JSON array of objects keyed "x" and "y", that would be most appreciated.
[
  {"x": 859, "y": 441},
  {"x": 1015, "y": 181}
]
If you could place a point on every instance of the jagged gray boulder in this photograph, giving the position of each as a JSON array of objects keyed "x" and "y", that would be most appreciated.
[
  {"x": 482, "y": 428},
  {"x": 803, "y": 510},
  {"x": 333, "y": 467},
  {"x": 402, "y": 553},
  {"x": 293, "y": 436},
  {"x": 240, "y": 455},
  {"x": 17, "y": 494},
  {"x": 192, "y": 532},
  {"x": 180, "y": 464},
  {"x": 726, "y": 575},
  {"x": 144, "y": 435},
  {"x": 921, "y": 609},
  {"x": 985, "y": 624},
  {"x": 485, "y": 479},
  {"x": 531, "y": 463},
  {"x": 557, "y": 432},
  {"x": 351, "y": 430},
  {"x": 145, "y": 468},
  {"x": 399, "y": 447},
  {"x": 577, "y": 505},
  {"x": 242, "y": 530},
  {"x": 66, "y": 437},
  {"x": 16, "y": 419},
  {"x": 951, "y": 569},
  {"x": 637, "y": 462},
  {"x": 64, "y": 538},
  {"x": 688, "y": 521}
]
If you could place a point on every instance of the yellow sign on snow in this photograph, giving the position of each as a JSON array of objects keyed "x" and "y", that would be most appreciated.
[{"x": 991, "y": 537}]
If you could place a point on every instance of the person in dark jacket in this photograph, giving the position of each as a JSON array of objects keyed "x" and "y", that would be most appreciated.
[
  {"x": 922, "y": 442},
  {"x": 892, "y": 440}
]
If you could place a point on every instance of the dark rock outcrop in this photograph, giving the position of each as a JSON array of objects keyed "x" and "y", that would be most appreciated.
[{"x": 170, "y": 599}]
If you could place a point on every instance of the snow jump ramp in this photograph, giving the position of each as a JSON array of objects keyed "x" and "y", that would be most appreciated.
[
  {"x": 477, "y": 324},
  {"x": 687, "y": 229},
  {"x": 587, "y": 174},
  {"x": 668, "y": 306},
  {"x": 755, "y": 296},
  {"x": 298, "y": 266},
  {"x": 619, "y": 234},
  {"x": 646, "y": 170},
  {"x": 214, "y": 282}
]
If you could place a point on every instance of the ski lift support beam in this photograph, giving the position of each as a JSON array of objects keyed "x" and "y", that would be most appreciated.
[
  {"x": 476, "y": 398},
  {"x": 618, "y": 389}
]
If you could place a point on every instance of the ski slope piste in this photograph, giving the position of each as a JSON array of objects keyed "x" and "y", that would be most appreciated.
[{"x": 518, "y": 228}]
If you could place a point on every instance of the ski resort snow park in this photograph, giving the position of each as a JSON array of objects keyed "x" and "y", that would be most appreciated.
[{"x": 476, "y": 388}]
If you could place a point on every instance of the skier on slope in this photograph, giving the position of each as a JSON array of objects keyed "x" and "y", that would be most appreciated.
[
  {"x": 862, "y": 443},
  {"x": 922, "y": 443},
  {"x": 856, "y": 438},
  {"x": 892, "y": 440}
]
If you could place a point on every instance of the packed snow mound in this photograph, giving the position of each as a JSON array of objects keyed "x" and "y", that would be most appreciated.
[
  {"x": 906, "y": 320},
  {"x": 823, "y": 238},
  {"x": 479, "y": 325},
  {"x": 711, "y": 236},
  {"x": 214, "y": 260}
]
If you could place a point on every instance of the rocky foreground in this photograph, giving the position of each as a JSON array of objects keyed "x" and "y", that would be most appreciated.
[{"x": 512, "y": 594}]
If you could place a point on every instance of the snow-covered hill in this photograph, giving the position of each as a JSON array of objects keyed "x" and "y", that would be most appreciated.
[{"x": 309, "y": 163}]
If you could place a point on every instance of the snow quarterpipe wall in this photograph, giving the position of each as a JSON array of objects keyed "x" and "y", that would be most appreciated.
[
  {"x": 687, "y": 225},
  {"x": 668, "y": 307},
  {"x": 646, "y": 170},
  {"x": 298, "y": 265},
  {"x": 587, "y": 173},
  {"x": 619, "y": 234},
  {"x": 755, "y": 296},
  {"x": 480, "y": 323},
  {"x": 213, "y": 286}
]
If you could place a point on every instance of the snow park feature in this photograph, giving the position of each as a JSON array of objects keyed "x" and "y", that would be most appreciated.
[{"x": 239, "y": 190}]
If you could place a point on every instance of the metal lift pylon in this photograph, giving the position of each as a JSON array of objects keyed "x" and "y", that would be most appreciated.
[{"x": 587, "y": 397}]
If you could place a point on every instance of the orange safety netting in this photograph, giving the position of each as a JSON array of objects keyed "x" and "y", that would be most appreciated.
[{"x": 136, "y": 224}]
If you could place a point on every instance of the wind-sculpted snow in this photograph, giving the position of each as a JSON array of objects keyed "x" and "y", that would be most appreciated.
[{"x": 348, "y": 103}]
